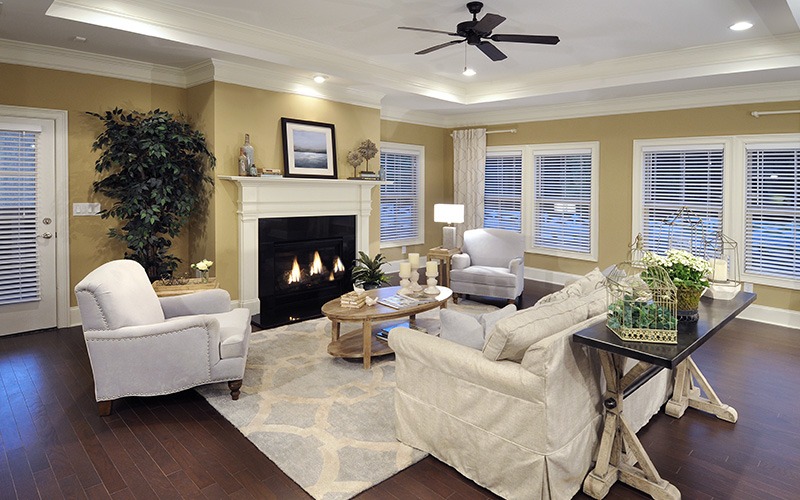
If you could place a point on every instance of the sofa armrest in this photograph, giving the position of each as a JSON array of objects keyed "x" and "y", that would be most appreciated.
[
  {"x": 465, "y": 363},
  {"x": 203, "y": 302},
  {"x": 460, "y": 261}
]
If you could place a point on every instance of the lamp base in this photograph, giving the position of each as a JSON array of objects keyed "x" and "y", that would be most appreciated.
[{"x": 448, "y": 237}]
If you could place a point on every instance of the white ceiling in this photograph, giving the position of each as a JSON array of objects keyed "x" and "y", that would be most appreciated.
[{"x": 610, "y": 50}]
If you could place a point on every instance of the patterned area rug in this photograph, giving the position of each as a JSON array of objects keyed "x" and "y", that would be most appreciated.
[{"x": 326, "y": 422}]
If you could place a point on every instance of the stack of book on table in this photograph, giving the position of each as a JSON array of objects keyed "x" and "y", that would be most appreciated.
[
  {"x": 371, "y": 176},
  {"x": 353, "y": 300},
  {"x": 402, "y": 301}
]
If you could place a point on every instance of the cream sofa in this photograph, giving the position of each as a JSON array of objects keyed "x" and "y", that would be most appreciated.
[{"x": 522, "y": 417}]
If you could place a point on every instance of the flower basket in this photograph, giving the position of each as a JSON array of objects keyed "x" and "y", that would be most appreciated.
[{"x": 642, "y": 304}]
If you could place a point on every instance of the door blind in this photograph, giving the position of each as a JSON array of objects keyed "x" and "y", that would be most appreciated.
[
  {"x": 502, "y": 199},
  {"x": 772, "y": 211},
  {"x": 562, "y": 201},
  {"x": 19, "y": 259},
  {"x": 400, "y": 200},
  {"x": 678, "y": 178}
]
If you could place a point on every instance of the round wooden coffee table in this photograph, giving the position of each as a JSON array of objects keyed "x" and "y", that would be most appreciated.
[{"x": 363, "y": 343}]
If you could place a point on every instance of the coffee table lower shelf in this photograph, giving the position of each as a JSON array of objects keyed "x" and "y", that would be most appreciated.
[{"x": 351, "y": 345}]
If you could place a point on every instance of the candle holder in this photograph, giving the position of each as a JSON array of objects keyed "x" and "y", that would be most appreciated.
[
  {"x": 415, "y": 286},
  {"x": 432, "y": 289},
  {"x": 405, "y": 274}
]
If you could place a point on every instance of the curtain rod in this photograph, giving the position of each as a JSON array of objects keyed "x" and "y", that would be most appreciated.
[
  {"x": 504, "y": 131},
  {"x": 763, "y": 113}
]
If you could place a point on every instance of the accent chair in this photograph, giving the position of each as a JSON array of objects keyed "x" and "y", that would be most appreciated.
[
  {"x": 490, "y": 264},
  {"x": 143, "y": 345}
]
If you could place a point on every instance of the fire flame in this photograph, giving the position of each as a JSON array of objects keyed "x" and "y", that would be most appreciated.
[
  {"x": 331, "y": 277},
  {"x": 338, "y": 266},
  {"x": 294, "y": 276},
  {"x": 316, "y": 266}
]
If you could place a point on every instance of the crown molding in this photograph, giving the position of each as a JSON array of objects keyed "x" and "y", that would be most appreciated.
[
  {"x": 723, "y": 96},
  {"x": 74, "y": 61},
  {"x": 280, "y": 80}
]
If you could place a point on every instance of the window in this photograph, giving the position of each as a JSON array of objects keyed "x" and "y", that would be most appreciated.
[
  {"x": 502, "y": 200},
  {"x": 402, "y": 201},
  {"x": 772, "y": 210},
  {"x": 565, "y": 200},
  {"x": 671, "y": 177}
]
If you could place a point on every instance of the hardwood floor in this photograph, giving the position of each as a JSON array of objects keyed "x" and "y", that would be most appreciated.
[{"x": 53, "y": 444}]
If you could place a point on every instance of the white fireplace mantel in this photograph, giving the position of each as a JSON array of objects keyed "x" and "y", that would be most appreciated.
[{"x": 273, "y": 197}]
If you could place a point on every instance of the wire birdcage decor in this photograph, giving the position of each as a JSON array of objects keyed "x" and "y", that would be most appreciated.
[
  {"x": 722, "y": 253},
  {"x": 642, "y": 303},
  {"x": 684, "y": 230}
]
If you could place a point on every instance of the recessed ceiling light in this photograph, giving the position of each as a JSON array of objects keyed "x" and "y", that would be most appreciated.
[
  {"x": 468, "y": 72},
  {"x": 320, "y": 78},
  {"x": 741, "y": 26}
]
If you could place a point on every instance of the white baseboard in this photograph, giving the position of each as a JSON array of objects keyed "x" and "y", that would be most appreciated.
[
  {"x": 763, "y": 314},
  {"x": 74, "y": 316},
  {"x": 772, "y": 316}
]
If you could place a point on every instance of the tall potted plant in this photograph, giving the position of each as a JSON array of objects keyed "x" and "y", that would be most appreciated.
[
  {"x": 157, "y": 172},
  {"x": 367, "y": 272}
]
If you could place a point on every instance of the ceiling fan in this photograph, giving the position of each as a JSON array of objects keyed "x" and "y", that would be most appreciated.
[{"x": 477, "y": 32}]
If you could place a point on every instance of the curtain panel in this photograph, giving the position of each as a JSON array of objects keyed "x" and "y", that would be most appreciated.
[{"x": 469, "y": 159}]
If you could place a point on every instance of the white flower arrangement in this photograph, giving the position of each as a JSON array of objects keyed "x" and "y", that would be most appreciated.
[
  {"x": 203, "y": 266},
  {"x": 684, "y": 268}
]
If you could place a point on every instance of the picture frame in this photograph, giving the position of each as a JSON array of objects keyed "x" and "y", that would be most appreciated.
[{"x": 309, "y": 149}]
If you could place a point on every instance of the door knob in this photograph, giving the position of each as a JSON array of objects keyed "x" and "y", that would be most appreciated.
[{"x": 46, "y": 235}]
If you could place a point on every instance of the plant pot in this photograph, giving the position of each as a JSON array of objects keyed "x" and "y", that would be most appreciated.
[{"x": 688, "y": 301}]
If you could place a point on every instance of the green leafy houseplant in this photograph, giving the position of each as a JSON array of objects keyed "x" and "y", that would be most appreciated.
[
  {"x": 367, "y": 272},
  {"x": 157, "y": 170}
]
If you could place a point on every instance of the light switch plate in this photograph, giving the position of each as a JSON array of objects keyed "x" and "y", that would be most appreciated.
[{"x": 84, "y": 209}]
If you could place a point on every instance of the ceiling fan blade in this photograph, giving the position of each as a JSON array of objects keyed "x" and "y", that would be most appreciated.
[
  {"x": 490, "y": 50},
  {"x": 440, "y": 46},
  {"x": 545, "y": 39},
  {"x": 488, "y": 23},
  {"x": 427, "y": 30}
]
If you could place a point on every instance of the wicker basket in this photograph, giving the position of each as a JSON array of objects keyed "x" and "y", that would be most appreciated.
[{"x": 194, "y": 285}]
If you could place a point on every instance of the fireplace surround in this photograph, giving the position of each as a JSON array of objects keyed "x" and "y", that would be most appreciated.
[{"x": 279, "y": 197}]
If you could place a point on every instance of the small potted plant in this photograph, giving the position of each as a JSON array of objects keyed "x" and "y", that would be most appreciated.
[
  {"x": 689, "y": 275},
  {"x": 367, "y": 272},
  {"x": 203, "y": 266}
]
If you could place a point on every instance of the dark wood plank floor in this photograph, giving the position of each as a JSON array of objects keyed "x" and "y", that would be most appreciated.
[{"x": 53, "y": 444}]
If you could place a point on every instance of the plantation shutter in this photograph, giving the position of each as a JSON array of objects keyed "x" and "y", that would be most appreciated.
[
  {"x": 562, "y": 201},
  {"x": 19, "y": 256},
  {"x": 772, "y": 211},
  {"x": 688, "y": 177},
  {"x": 502, "y": 199},
  {"x": 400, "y": 200}
]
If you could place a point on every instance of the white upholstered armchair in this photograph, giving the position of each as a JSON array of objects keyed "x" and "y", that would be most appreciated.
[
  {"x": 142, "y": 345},
  {"x": 491, "y": 264}
]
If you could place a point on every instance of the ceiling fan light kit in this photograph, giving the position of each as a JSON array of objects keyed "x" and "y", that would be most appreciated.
[{"x": 479, "y": 33}]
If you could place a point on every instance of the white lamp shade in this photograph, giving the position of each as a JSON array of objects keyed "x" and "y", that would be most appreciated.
[{"x": 451, "y": 214}]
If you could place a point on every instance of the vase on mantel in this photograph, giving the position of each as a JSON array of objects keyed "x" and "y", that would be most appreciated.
[{"x": 688, "y": 300}]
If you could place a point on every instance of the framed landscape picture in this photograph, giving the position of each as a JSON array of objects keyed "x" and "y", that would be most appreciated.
[{"x": 309, "y": 149}]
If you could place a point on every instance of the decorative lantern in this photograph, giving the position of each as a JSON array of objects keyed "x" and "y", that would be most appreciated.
[
  {"x": 722, "y": 253},
  {"x": 642, "y": 303}
]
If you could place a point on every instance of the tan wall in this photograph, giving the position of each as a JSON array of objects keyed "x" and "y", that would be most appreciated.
[
  {"x": 239, "y": 110},
  {"x": 200, "y": 105},
  {"x": 616, "y": 135},
  {"x": 77, "y": 93},
  {"x": 438, "y": 177}
]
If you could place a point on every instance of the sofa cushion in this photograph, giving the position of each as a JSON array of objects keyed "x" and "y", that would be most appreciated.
[
  {"x": 469, "y": 330},
  {"x": 493, "y": 276},
  {"x": 513, "y": 335},
  {"x": 581, "y": 286}
]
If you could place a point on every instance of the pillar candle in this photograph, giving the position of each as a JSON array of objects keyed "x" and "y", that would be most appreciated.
[
  {"x": 720, "y": 270},
  {"x": 413, "y": 258},
  {"x": 405, "y": 269},
  {"x": 431, "y": 268}
]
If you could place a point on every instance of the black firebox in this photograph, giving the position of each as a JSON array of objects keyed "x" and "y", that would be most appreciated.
[{"x": 303, "y": 262}]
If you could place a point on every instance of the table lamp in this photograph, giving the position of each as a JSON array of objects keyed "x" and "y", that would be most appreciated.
[{"x": 449, "y": 214}]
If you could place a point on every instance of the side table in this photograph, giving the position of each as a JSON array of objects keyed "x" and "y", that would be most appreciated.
[
  {"x": 191, "y": 286},
  {"x": 443, "y": 255}
]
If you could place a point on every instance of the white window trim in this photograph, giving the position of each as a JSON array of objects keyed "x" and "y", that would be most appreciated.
[
  {"x": 419, "y": 150},
  {"x": 733, "y": 190},
  {"x": 526, "y": 168},
  {"x": 736, "y": 205},
  {"x": 530, "y": 151}
]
